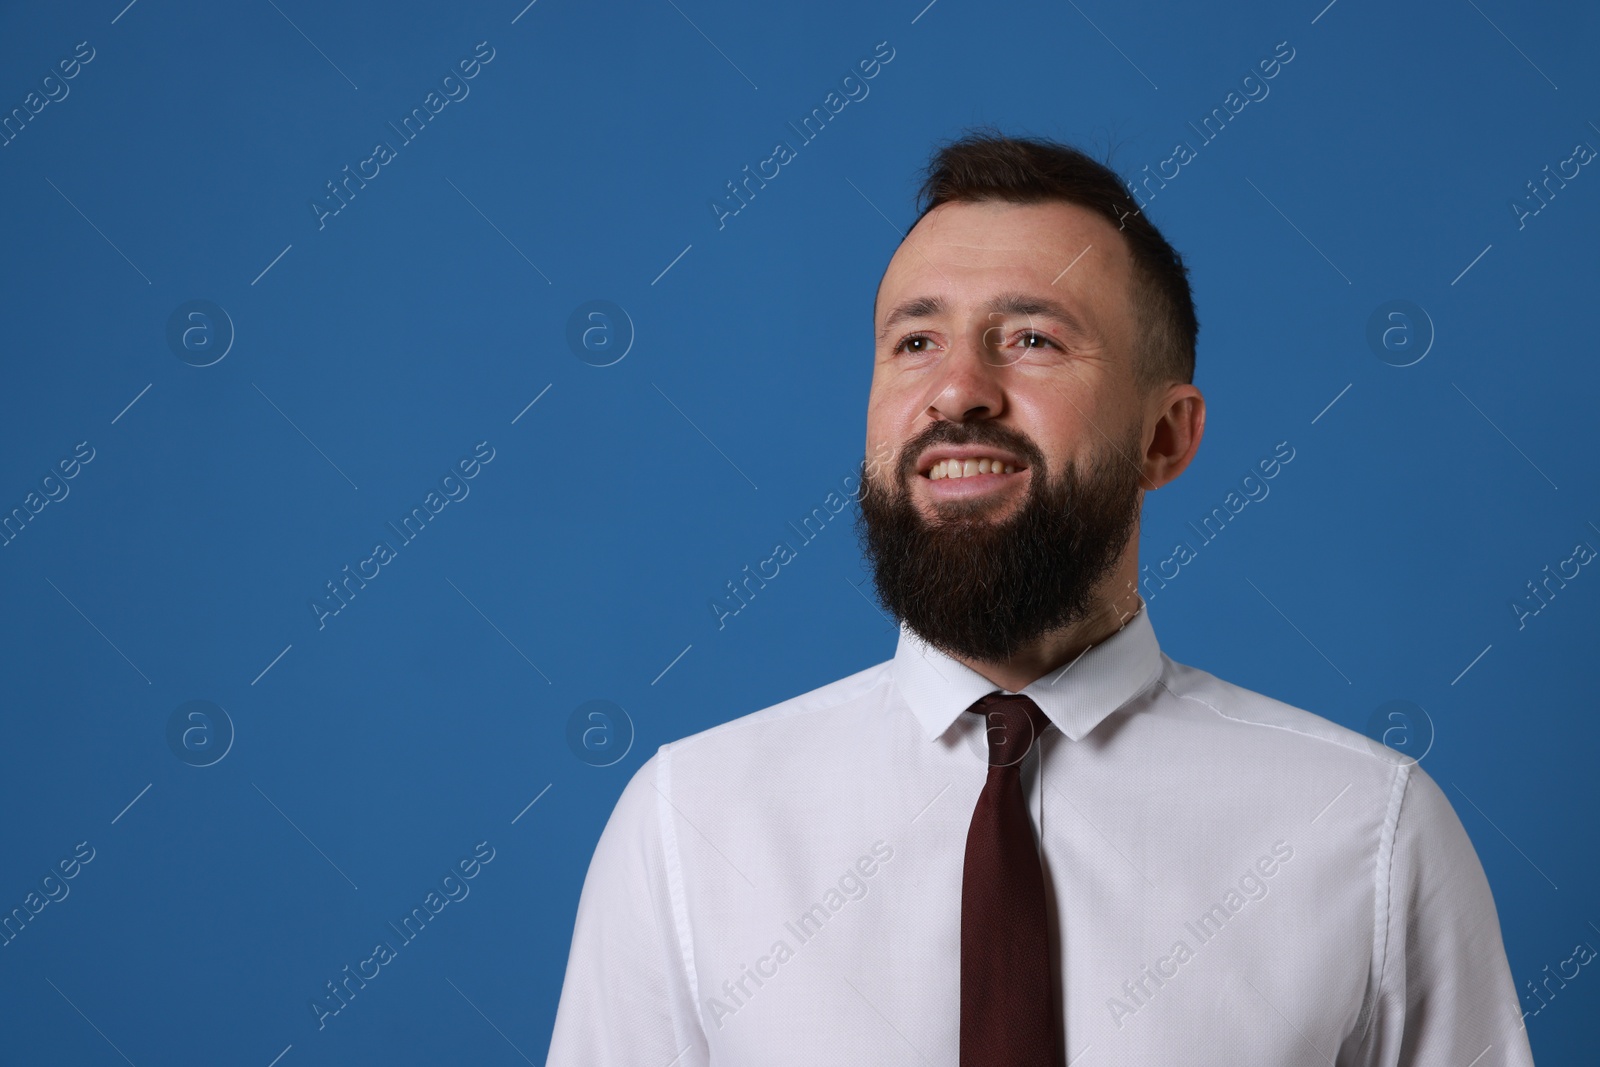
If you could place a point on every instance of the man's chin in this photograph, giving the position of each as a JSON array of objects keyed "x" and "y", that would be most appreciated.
[
  {"x": 983, "y": 510},
  {"x": 983, "y": 571}
]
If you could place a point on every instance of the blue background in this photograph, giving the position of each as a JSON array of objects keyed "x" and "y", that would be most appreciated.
[{"x": 372, "y": 353}]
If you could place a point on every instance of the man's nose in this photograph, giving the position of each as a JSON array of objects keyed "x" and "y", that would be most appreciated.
[{"x": 971, "y": 380}]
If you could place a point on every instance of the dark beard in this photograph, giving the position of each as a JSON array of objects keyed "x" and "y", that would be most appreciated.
[{"x": 985, "y": 589}]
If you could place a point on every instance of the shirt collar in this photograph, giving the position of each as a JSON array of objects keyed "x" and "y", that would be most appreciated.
[{"x": 1076, "y": 696}]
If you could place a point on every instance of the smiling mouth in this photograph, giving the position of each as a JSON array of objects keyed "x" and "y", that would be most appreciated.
[{"x": 968, "y": 468}]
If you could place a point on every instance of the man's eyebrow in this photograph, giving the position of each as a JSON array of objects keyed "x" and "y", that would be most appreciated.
[
  {"x": 1031, "y": 305},
  {"x": 1004, "y": 304},
  {"x": 920, "y": 308}
]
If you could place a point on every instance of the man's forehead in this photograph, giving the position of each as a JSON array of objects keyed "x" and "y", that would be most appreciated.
[{"x": 1037, "y": 241}]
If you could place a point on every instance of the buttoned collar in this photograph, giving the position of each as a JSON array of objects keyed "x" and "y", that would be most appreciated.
[{"x": 1076, "y": 696}]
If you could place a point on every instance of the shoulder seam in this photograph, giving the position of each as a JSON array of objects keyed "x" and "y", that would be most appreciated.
[
  {"x": 1162, "y": 681},
  {"x": 674, "y": 875},
  {"x": 1383, "y": 892}
]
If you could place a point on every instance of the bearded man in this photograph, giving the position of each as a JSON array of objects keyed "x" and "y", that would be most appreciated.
[{"x": 1030, "y": 838}]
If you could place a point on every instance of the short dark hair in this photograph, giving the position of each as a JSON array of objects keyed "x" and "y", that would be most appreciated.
[{"x": 987, "y": 165}]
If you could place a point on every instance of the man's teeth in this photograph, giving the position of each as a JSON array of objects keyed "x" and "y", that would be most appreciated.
[{"x": 966, "y": 468}]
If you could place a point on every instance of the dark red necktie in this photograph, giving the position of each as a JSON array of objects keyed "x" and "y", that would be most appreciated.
[{"x": 1007, "y": 996}]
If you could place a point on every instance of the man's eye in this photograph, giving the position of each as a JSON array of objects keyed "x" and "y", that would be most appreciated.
[
  {"x": 1032, "y": 339},
  {"x": 915, "y": 339}
]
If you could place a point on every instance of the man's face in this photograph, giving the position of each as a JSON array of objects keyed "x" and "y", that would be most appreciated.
[{"x": 1004, "y": 331}]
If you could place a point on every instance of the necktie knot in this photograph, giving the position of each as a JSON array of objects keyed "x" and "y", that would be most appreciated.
[{"x": 1012, "y": 723}]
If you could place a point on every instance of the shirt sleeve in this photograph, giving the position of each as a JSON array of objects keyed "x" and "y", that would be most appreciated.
[
  {"x": 1445, "y": 995},
  {"x": 625, "y": 997}
]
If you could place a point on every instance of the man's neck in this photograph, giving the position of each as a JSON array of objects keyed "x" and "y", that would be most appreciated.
[{"x": 1061, "y": 647}]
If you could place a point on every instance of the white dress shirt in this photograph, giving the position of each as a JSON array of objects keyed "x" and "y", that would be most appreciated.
[{"x": 1231, "y": 880}]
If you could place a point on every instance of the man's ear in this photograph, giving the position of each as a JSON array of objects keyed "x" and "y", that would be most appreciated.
[{"x": 1175, "y": 422}]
